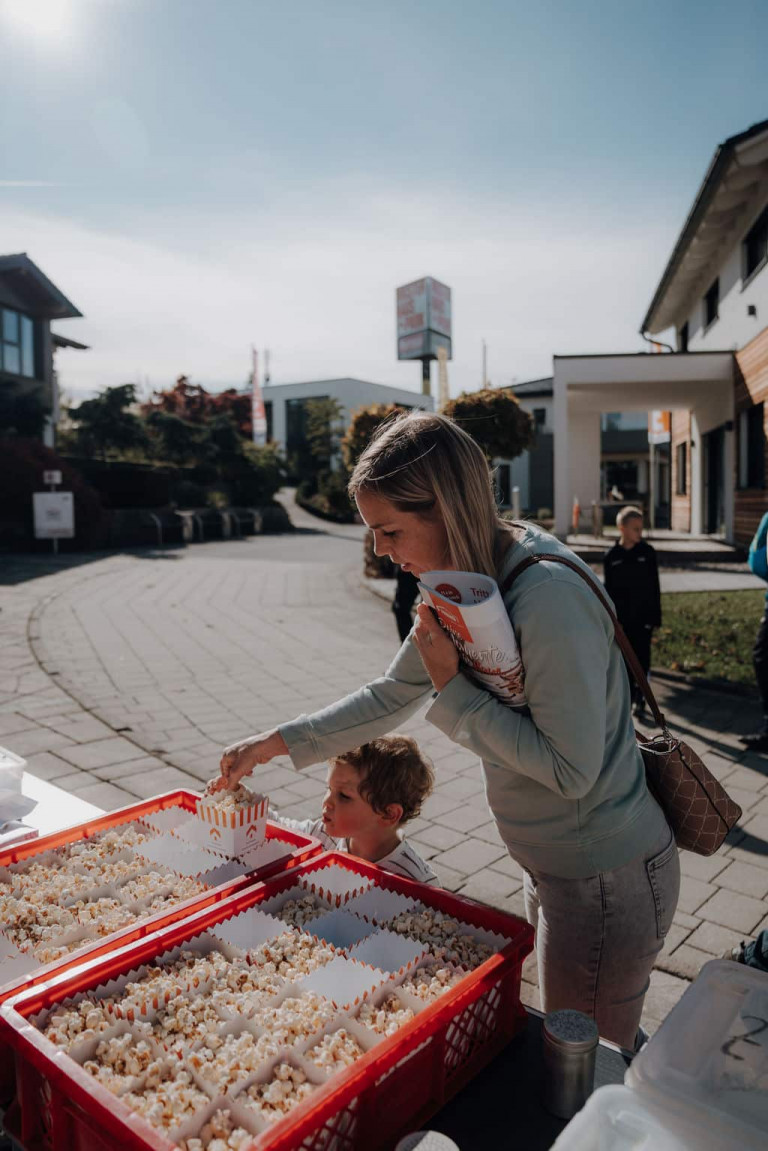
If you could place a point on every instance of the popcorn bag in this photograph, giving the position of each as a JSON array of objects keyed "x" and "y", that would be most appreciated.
[{"x": 234, "y": 822}]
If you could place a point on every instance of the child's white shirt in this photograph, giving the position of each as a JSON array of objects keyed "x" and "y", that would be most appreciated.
[{"x": 403, "y": 860}]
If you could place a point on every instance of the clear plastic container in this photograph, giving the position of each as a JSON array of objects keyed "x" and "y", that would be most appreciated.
[
  {"x": 617, "y": 1119},
  {"x": 707, "y": 1065}
]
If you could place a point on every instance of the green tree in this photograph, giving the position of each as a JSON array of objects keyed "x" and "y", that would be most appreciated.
[
  {"x": 324, "y": 426},
  {"x": 363, "y": 424},
  {"x": 174, "y": 439},
  {"x": 106, "y": 423},
  {"x": 494, "y": 419}
]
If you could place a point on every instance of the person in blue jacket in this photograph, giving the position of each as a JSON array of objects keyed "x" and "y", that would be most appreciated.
[{"x": 758, "y": 562}]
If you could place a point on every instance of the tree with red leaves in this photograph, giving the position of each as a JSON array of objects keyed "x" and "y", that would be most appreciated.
[{"x": 193, "y": 404}]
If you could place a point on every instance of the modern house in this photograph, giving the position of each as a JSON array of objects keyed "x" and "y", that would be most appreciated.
[
  {"x": 28, "y": 304},
  {"x": 713, "y": 297},
  {"x": 624, "y": 457},
  {"x": 286, "y": 405}
]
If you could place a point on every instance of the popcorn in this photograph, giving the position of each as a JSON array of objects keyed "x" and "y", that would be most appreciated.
[
  {"x": 227, "y": 800},
  {"x": 183, "y": 1021},
  {"x": 146, "y": 885},
  {"x": 67, "y": 1026},
  {"x": 441, "y": 935},
  {"x": 117, "y": 1062},
  {"x": 293, "y": 1019},
  {"x": 168, "y": 1103},
  {"x": 225, "y": 1062},
  {"x": 337, "y": 1050},
  {"x": 432, "y": 980},
  {"x": 291, "y": 955},
  {"x": 297, "y": 912},
  {"x": 274, "y": 1099},
  {"x": 219, "y": 1134},
  {"x": 387, "y": 1018}
]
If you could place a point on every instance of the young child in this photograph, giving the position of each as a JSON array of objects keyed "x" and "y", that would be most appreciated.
[
  {"x": 632, "y": 582},
  {"x": 372, "y": 791}
]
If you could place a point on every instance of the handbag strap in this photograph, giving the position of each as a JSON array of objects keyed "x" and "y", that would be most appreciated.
[{"x": 621, "y": 637}]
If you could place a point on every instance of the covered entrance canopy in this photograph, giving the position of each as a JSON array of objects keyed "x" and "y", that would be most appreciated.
[{"x": 585, "y": 386}]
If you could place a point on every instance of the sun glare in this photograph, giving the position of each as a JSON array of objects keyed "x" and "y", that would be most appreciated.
[{"x": 40, "y": 17}]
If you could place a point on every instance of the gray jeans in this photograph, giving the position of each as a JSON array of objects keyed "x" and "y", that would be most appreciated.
[{"x": 598, "y": 938}]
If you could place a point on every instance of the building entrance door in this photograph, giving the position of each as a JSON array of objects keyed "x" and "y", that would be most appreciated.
[{"x": 714, "y": 481}]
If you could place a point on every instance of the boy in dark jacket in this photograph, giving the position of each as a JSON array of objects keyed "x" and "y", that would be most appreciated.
[{"x": 632, "y": 582}]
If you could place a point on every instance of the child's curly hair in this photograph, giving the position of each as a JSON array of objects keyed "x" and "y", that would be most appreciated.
[{"x": 391, "y": 770}]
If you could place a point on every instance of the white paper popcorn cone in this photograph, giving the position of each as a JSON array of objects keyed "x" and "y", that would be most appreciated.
[
  {"x": 168, "y": 819},
  {"x": 340, "y": 928},
  {"x": 344, "y": 982},
  {"x": 391, "y": 953},
  {"x": 296, "y": 906},
  {"x": 336, "y": 884},
  {"x": 378, "y": 904},
  {"x": 233, "y": 830},
  {"x": 248, "y": 930},
  {"x": 12, "y": 967}
]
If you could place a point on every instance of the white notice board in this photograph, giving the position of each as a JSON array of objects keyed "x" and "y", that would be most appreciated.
[{"x": 54, "y": 515}]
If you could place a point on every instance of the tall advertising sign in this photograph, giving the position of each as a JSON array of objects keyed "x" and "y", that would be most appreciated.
[
  {"x": 258, "y": 411},
  {"x": 423, "y": 319}
]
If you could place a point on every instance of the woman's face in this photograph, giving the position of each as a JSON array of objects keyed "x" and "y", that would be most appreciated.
[{"x": 415, "y": 540}]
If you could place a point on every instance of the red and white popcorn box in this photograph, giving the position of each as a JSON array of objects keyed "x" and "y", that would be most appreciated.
[{"x": 232, "y": 829}]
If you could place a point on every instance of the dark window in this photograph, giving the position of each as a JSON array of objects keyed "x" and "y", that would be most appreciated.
[
  {"x": 752, "y": 447},
  {"x": 17, "y": 344},
  {"x": 682, "y": 338},
  {"x": 682, "y": 469},
  {"x": 711, "y": 303},
  {"x": 756, "y": 245},
  {"x": 539, "y": 418},
  {"x": 268, "y": 416}
]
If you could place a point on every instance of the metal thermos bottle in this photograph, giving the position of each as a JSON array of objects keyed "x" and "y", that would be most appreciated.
[{"x": 569, "y": 1047}]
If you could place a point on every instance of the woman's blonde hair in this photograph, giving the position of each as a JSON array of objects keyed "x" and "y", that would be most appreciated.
[{"x": 424, "y": 463}]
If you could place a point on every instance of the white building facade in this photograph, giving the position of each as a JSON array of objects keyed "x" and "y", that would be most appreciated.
[
  {"x": 712, "y": 304},
  {"x": 285, "y": 404}
]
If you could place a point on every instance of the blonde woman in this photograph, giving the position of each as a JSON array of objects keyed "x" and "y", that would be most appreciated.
[{"x": 564, "y": 779}]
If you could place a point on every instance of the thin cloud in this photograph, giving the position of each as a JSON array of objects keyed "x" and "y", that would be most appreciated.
[
  {"x": 319, "y": 292},
  {"x": 31, "y": 184}
]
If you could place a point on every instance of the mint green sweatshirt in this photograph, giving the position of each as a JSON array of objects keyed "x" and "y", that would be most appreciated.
[{"x": 564, "y": 779}]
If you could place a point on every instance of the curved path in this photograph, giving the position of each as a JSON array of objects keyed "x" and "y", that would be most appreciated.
[{"x": 123, "y": 676}]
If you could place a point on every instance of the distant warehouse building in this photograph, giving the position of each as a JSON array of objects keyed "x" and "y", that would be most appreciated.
[{"x": 286, "y": 406}]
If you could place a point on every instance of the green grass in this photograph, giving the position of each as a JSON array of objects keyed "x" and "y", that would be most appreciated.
[{"x": 709, "y": 634}]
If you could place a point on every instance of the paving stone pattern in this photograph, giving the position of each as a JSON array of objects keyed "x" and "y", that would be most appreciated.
[{"x": 124, "y": 676}]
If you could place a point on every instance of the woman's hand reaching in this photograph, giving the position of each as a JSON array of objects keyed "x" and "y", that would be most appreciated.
[
  {"x": 437, "y": 651},
  {"x": 239, "y": 759}
]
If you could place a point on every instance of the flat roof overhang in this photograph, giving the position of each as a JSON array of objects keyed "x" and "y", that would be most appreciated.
[
  {"x": 42, "y": 298},
  {"x": 644, "y": 382}
]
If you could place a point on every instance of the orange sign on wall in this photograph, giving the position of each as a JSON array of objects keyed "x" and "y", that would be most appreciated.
[{"x": 659, "y": 427}]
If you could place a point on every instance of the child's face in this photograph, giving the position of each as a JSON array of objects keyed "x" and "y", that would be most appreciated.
[
  {"x": 631, "y": 532},
  {"x": 345, "y": 812}
]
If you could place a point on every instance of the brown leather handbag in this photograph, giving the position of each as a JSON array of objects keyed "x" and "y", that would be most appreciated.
[{"x": 698, "y": 808}]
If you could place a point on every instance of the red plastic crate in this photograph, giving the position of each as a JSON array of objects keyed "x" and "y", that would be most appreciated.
[
  {"x": 392, "y": 1089},
  {"x": 299, "y": 848}
]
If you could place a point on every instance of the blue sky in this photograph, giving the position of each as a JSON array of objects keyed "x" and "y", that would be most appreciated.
[{"x": 198, "y": 176}]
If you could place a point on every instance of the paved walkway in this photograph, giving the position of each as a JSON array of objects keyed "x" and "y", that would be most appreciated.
[{"x": 122, "y": 676}]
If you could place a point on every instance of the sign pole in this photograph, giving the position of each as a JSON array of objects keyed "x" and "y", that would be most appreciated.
[
  {"x": 55, "y": 541},
  {"x": 426, "y": 378}
]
